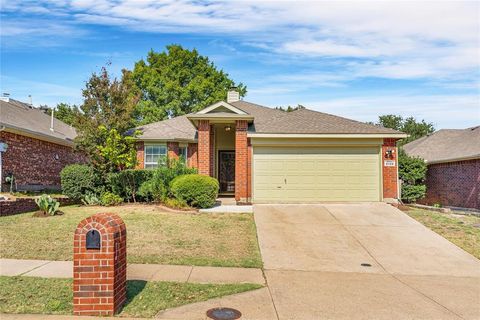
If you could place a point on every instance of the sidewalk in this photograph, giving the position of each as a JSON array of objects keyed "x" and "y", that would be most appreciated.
[{"x": 147, "y": 272}]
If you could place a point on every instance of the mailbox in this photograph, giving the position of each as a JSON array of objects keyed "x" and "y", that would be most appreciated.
[{"x": 92, "y": 240}]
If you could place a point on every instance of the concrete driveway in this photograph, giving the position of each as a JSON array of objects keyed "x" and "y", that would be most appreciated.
[{"x": 313, "y": 256}]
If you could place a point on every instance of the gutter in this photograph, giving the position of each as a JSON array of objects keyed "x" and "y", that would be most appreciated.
[
  {"x": 326, "y": 135},
  {"x": 37, "y": 135},
  {"x": 473, "y": 157}
]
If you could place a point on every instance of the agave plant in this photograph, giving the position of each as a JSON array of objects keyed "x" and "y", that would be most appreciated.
[
  {"x": 90, "y": 200},
  {"x": 47, "y": 204}
]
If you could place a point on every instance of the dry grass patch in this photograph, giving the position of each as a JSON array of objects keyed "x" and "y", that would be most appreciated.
[
  {"x": 463, "y": 231},
  {"x": 154, "y": 236}
]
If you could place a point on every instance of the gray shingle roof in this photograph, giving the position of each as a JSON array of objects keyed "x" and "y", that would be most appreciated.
[
  {"x": 268, "y": 120},
  {"x": 23, "y": 117},
  {"x": 178, "y": 128},
  {"x": 446, "y": 145}
]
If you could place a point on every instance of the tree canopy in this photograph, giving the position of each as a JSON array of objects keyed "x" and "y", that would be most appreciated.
[
  {"x": 105, "y": 118},
  {"x": 176, "y": 82},
  {"x": 415, "y": 129},
  {"x": 65, "y": 112}
]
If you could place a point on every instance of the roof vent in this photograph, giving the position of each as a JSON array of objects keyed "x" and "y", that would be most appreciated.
[
  {"x": 5, "y": 97},
  {"x": 233, "y": 95}
]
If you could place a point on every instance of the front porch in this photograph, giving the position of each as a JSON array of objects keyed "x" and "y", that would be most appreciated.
[{"x": 224, "y": 151}]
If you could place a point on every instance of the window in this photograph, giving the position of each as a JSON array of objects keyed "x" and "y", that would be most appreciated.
[
  {"x": 182, "y": 153},
  {"x": 154, "y": 154}
]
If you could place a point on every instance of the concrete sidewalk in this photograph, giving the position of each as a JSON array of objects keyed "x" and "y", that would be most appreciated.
[{"x": 147, "y": 272}]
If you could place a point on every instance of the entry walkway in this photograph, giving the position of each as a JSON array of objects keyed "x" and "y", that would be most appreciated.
[{"x": 147, "y": 272}]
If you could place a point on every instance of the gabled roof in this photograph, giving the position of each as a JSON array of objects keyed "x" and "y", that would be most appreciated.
[
  {"x": 447, "y": 145},
  {"x": 178, "y": 128},
  {"x": 266, "y": 121},
  {"x": 23, "y": 118}
]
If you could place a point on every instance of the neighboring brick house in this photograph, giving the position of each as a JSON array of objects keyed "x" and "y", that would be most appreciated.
[
  {"x": 37, "y": 148},
  {"x": 265, "y": 155},
  {"x": 453, "y": 159}
]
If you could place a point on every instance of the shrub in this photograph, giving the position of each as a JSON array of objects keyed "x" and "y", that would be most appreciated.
[
  {"x": 175, "y": 203},
  {"x": 111, "y": 199},
  {"x": 47, "y": 204},
  {"x": 158, "y": 188},
  {"x": 77, "y": 180},
  {"x": 412, "y": 171},
  {"x": 196, "y": 190},
  {"x": 126, "y": 183},
  {"x": 91, "y": 199}
]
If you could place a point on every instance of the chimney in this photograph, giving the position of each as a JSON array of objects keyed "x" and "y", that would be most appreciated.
[
  {"x": 5, "y": 97},
  {"x": 233, "y": 95},
  {"x": 30, "y": 99}
]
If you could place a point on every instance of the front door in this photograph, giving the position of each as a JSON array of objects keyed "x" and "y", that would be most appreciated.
[{"x": 226, "y": 171}]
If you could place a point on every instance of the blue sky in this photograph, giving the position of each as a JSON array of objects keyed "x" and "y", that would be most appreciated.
[{"x": 354, "y": 59}]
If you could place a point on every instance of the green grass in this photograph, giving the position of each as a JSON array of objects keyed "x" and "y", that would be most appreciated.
[
  {"x": 463, "y": 231},
  {"x": 153, "y": 236},
  {"x": 144, "y": 299}
]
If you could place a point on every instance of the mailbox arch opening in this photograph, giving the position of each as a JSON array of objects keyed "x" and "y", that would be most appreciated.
[{"x": 93, "y": 240}]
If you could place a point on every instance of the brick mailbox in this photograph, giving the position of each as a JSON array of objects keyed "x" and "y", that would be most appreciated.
[{"x": 99, "y": 265}]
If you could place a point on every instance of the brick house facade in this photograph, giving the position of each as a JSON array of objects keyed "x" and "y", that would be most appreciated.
[
  {"x": 455, "y": 184},
  {"x": 36, "y": 146},
  {"x": 35, "y": 162},
  {"x": 227, "y": 139}
]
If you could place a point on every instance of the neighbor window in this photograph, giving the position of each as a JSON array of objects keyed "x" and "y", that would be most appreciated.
[
  {"x": 182, "y": 153},
  {"x": 153, "y": 154}
]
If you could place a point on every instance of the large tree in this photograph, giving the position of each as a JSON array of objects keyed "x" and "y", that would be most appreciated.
[
  {"x": 65, "y": 113},
  {"x": 415, "y": 129},
  {"x": 105, "y": 119},
  {"x": 176, "y": 82}
]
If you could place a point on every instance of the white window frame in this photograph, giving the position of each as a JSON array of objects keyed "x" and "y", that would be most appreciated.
[
  {"x": 183, "y": 147},
  {"x": 153, "y": 165}
]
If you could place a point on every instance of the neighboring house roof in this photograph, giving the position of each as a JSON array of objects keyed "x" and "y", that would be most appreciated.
[
  {"x": 266, "y": 121},
  {"x": 447, "y": 145},
  {"x": 23, "y": 118}
]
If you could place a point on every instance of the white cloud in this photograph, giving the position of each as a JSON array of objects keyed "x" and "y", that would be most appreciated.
[
  {"x": 445, "y": 111},
  {"x": 399, "y": 40}
]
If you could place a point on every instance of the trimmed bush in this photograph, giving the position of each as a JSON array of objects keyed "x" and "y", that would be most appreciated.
[
  {"x": 196, "y": 190},
  {"x": 126, "y": 183},
  {"x": 111, "y": 199},
  {"x": 158, "y": 188},
  {"x": 77, "y": 180}
]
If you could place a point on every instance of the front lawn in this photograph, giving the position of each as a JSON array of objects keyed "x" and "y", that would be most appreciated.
[
  {"x": 154, "y": 236},
  {"x": 144, "y": 299},
  {"x": 464, "y": 231}
]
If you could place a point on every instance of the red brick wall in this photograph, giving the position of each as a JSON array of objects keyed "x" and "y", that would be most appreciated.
[
  {"x": 241, "y": 161},
  {"x": 212, "y": 151},
  {"x": 100, "y": 275},
  {"x": 249, "y": 171},
  {"x": 21, "y": 205},
  {"x": 192, "y": 160},
  {"x": 204, "y": 147},
  {"x": 33, "y": 162},
  {"x": 172, "y": 148},
  {"x": 390, "y": 178},
  {"x": 455, "y": 184},
  {"x": 140, "y": 146}
]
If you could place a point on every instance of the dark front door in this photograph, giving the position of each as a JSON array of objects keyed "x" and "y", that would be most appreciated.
[{"x": 226, "y": 171}]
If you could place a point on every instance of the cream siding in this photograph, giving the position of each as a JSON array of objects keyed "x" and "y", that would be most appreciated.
[{"x": 314, "y": 174}]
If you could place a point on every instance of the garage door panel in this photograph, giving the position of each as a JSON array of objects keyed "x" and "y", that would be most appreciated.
[{"x": 316, "y": 174}]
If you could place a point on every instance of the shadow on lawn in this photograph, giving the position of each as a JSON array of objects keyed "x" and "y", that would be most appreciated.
[{"x": 134, "y": 288}]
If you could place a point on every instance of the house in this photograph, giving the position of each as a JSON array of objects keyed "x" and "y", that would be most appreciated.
[
  {"x": 36, "y": 147},
  {"x": 453, "y": 160},
  {"x": 265, "y": 155}
]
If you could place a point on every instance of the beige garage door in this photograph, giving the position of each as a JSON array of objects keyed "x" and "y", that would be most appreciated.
[{"x": 316, "y": 174}]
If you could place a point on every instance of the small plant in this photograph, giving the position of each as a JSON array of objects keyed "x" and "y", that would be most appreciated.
[
  {"x": 175, "y": 203},
  {"x": 47, "y": 204},
  {"x": 91, "y": 199},
  {"x": 437, "y": 205},
  {"x": 11, "y": 180},
  {"x": 111, "y": 199}
]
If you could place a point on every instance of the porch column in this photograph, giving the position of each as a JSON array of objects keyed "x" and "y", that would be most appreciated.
[
  {"x": 241, "y": 161},
  {"x": 204, "y": 147}
]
